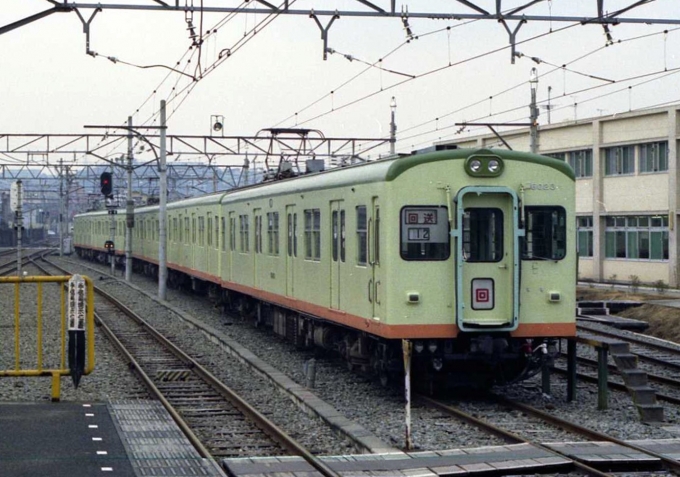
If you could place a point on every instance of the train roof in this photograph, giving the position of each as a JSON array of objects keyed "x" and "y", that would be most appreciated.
[
  {"x": 386, "y": 170},
  {"x": 383, "y": 170},
  {"x": 210, "y": 199}
]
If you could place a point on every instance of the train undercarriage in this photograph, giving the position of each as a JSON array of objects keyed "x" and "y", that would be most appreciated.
[{"x": 477, "y": 360}]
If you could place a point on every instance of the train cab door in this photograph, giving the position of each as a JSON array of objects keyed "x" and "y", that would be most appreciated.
[
  {"x": 377, "y": 293},
  {"x": 338, "y": 258},
  {"x": 291, "y": 248},
  {"x": 487, "y": 259}
]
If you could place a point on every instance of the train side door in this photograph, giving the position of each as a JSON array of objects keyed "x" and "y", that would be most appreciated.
[
  {"x": 291, "y": 248},
  {"x": 487, "y": 264},
  {"x": 338, "y": 228},
  {"x": 377, "y": 294}
]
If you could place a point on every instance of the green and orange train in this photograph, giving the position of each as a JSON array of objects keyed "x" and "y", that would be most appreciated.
[{"x": 468, "y": 254}]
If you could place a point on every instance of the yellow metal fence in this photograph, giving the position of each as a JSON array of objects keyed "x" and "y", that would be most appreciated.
[{"x": 23, "y": 325}]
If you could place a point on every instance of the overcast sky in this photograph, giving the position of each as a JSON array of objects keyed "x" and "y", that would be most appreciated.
[{"x": 279, "y": 78}]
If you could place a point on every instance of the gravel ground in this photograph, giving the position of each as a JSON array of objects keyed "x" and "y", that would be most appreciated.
[{"x": 382, "y": 410}]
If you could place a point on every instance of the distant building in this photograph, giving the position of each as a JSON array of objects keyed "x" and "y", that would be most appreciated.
[{"x": 627, "y": 200}]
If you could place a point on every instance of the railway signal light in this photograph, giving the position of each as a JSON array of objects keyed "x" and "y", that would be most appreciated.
[{"x": 106, "y": 183}]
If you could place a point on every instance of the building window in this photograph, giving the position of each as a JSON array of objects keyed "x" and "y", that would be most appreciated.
[
  {"x": 273, "y": 233},
  {"x": 243, "y": 221},
  {"x": 546, "y": 233},
  {"x": 313, "y": 234},
  {"x": 584, "y": 227},
  {"x": 362, "y": 236},
  {"x": 581, "y": 162},
  {"x": 557, "y": 155},
  {"x": 654, "y": 157},
  {"x": 637, "y": 237},
  {"x": 619, "y": 160}
]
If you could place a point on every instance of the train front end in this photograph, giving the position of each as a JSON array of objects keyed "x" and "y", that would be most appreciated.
[{"x": 488, "y": 252}]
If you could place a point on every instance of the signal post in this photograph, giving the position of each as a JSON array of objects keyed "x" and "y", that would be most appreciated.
[{"x": 106, "y": 187}]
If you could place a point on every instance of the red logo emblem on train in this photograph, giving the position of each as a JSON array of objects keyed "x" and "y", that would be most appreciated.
[{"x": 482, "y": 295}]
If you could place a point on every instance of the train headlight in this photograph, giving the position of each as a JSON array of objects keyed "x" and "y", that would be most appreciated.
[{"x": 484, "y": 165}]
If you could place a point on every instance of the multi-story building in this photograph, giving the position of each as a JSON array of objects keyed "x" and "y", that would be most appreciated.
[{"x": 627, "y": 200}]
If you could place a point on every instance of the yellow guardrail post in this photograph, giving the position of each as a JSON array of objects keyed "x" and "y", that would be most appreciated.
[{"x": 76, "y": 317}]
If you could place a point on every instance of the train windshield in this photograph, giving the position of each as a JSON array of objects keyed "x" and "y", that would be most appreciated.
[
  {"x": 425, "y": 233},
  {"x": 483, "y": 235},
  {"x": 546, "y": 233}
]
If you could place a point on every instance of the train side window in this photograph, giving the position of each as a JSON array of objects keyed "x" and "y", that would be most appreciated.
[
  {"x": 258, "y": 233},
  {"x": 243, "y": 220},
  {"x": 223, "y": 236},
  {"x": 546, "y": 233},
  {"x": 209, "y": 230},
  {"x": 295, "y": 235},
  {"x": 289, "y": 244},
  {"x": 201, "y": 231},
  {"x": 483, "y": 235},
  {"x": 342, "y": 235},
  {"x": 424, "y": 233},
  {"x": 334, "y": 235},
  {"x": 377, "y": 236},
  {"x": 232, "y": 233},
  {"x": 273, "y": 233},
  {"x": 362, "y": 236},
  {"x": 313, "y": 234}
]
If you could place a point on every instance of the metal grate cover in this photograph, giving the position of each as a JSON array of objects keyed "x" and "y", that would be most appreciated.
[{"x": 154, "y": 443}]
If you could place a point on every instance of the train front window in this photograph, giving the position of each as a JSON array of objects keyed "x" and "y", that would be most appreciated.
[
  {"x": 425, "y": 233},
  {"x": 482, "y": 235},
  {"x": 546, "y": 233}
]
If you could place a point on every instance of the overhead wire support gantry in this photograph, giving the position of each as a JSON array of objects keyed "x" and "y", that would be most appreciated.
[{"x": 470, "y": 10}]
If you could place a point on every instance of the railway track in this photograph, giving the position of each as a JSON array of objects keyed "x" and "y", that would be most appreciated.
[
  {"x": 216, "y": 420},
  {"x": 656, "y": 353},
  {"x": 530, "y": 412},
  {"x": 9, "y": 266},
  {"x": 592, "y": 378}
]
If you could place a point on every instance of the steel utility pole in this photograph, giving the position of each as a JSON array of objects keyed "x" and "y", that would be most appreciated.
[
  {"x": 393, "y": 127},
  {"x": 61, "y": 207},
  {"x": 19, "y": 223},
  {"x": 129, "y": 208},
  {"x": 162, "y": 263},
  {"x": 533, "y": 111}
]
